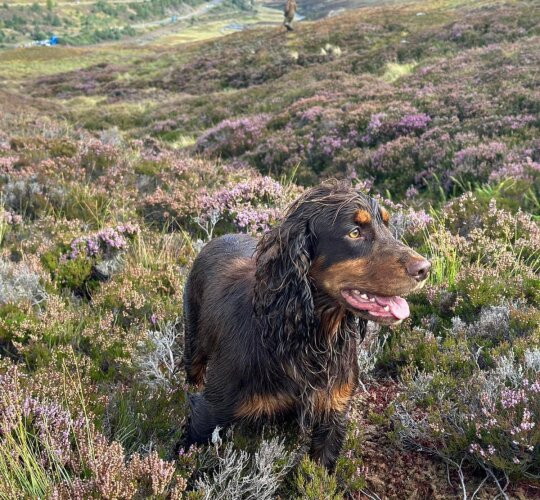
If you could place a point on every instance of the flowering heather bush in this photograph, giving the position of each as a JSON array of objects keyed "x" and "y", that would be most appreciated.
[
  {"x": 478, "y": 162},
  {"x": 103, "y": 244},
  {"x": 321, "y": 148},
  {"x": 526, "y": 169},
  {"x": 112, "y": 477},
  {"x": 413, "y": 123},
  {"x": 232, "y": 137},
  {"x": 384, "y": 126},
  {"x": 523, "y": 164},
  {"x": 246, "y": 204},
  {"x": 89, "y": 259},
  {"x": 396, "y": 160},
  {"x": 259, "y": 189},
  {"x": 281, "y": 154},
  {"x": 492, "y": 419},
  {"x": 61, "y": 444},
  {"x": 256, "y": 220},
  {"x": 11, "y": 218},
  {"x": 96, "y": 157},
  {"x": 7, "y": 163},
  {"x": 409, "y": 221}
]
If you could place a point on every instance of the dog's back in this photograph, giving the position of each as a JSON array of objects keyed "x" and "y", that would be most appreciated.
[{"x": 221, "y": 267}]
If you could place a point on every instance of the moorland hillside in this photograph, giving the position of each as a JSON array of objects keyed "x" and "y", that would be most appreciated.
[{"x": 119, "y": 160}]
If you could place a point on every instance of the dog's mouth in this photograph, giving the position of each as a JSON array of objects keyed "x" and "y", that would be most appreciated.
[{"x": 378, "y": 307}]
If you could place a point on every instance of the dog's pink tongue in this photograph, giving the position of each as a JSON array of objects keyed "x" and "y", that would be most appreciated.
[{"x": 397, "y": 305}]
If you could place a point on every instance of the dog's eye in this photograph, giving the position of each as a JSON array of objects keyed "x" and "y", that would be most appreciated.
[{"x": 354, "y": 234}]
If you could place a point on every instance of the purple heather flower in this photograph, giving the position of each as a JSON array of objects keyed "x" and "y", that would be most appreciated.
[
  {"x": 105, "y": 240},
  {"x": 413, "y": 123},
  {"x": 376, "y": 122},
  {"x": 92, "y": 247}
]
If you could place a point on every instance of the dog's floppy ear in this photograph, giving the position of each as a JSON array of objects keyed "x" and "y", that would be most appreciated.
[{"x": 283, "y": 302}]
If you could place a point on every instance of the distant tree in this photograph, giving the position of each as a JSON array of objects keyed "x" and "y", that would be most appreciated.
[
  {"x": 244, "y": 4},
  {"x": 129, "y": 31},
  {"x": 38, "y": 34},
  {"x": 16, "y": 22},
  {"x": 53, "y": 19},
  {"x": 50, "y": 5}
]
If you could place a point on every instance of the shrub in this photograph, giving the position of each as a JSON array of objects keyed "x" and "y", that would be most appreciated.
[
  {"x": 161, "y": 355},
  {"x": 312, "y": 482},
  {"x": 248, "y": 204},
  {"x": 476, "y": 163},
  {"x": 490, "y": 419},
  {"x": 40, "y": 442},
  {"x": 18, "y": 283},
  {"x": 89, "y": 259},
  {"x": 238, "y": 474},
  {"x": 232, "y": 137}
]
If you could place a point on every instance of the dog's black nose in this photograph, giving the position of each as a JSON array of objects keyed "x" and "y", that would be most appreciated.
[{"x": 418, "y": 269}]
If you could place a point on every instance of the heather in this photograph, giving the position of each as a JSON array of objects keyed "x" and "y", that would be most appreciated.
[{"x": 118, "y": 162}]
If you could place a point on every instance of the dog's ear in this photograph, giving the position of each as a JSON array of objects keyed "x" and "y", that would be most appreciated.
[{"x": 283, "y": 301}]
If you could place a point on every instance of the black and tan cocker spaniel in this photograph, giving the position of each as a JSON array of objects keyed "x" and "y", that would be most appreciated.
[{"x": 271, "y": 326}]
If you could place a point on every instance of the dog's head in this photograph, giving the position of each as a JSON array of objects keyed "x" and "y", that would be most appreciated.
[
  {"x": 334, "y": 242},
  {"x": 358, "y": 262}
]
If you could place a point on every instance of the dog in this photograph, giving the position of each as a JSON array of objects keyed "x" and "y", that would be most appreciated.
[{"x": 271, "y": 326}]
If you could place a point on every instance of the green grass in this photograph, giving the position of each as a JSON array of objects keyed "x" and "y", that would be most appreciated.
[
  {"x": 22, "y": 454},
  {"x": 21, "y": 473},
  {"x": 22, "y": 64},
  {"x": 444, "y": 256},
  {"x": 395, "y": 71},
  {"x": 184, "y": 141}
]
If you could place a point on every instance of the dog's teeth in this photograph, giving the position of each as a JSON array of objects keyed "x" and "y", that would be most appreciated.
[
  {"x": 364, "y": 296},
  {"x": 372, "y": 299},
  {"x": 356, "y": 292},
  {"x": 386, "y": 308}
]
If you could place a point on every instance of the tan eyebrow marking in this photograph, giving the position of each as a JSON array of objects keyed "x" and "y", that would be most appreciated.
[
  {"x": 362, "y": 217},
  {"x": 385, "y": 216}
]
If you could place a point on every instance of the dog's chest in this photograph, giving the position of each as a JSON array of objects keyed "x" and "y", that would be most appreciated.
[
  {"x": 312, "y": 384},
  {"x": 323, "y": 391}
]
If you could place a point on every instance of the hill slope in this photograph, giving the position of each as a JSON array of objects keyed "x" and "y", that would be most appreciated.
[
  {"x": 24, "y": 23},
  {"x": 118, "y": 161}
]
